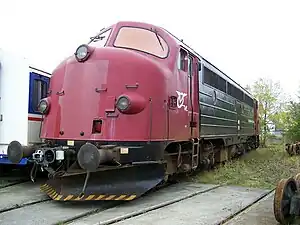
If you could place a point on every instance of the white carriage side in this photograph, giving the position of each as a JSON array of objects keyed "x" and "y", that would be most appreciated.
[{"x": 21, "y": 86}]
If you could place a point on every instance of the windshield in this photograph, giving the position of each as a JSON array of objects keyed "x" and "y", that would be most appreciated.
[
  {"x": 142, "y": 40},
  {"x": 100, "y": 39}
]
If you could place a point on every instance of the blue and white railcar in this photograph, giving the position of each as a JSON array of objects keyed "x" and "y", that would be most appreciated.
[{"x": 21, "y": 88}]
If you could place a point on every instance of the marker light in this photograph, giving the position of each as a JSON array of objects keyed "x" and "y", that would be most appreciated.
[{"x": 43, "y": 106}]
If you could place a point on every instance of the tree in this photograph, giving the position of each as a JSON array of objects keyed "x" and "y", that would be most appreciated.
[
  {"x": 271, "y": 102},
  {"x": 293, "y": 122},
  {"x": 280, "y": 119}
]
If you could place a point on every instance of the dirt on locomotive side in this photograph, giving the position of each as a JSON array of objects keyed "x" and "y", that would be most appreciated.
[{"x": 262, "y": 168}]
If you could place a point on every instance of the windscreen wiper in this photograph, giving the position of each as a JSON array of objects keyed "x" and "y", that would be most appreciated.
[
  {"x": 155, "y": 31},
  {"x": 97, "y": 37}
]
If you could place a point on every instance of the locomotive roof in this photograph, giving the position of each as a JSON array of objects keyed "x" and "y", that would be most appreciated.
[
  {"x": 202, "y": 58},
  {"x": 180, "y": 42}
]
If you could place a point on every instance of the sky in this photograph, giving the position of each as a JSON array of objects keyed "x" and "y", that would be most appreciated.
[{"x": 245, "y": 39}]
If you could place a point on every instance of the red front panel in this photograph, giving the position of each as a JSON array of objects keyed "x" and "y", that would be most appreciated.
[{"x": 83, "y": 92}]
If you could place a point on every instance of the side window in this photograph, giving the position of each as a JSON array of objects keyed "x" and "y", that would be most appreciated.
[
  {"x": 234, "y": 92},
  {"x": 39, "y": 92},
  {"x": 221, "y": 84},
  {"x": 249, "y": 100},
  {"x": 182, "y": 60},
  {"x": 214, "y": 80}
]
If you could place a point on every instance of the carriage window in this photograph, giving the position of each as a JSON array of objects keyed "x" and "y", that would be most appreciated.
[
  {"x": 142, "y": 40},
  {"x": 39, "y": 92},
  {"x": 100, "y": 39}
]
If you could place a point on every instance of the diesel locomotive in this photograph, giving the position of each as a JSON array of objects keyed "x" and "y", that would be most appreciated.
[{"x": 130, "y": 109}]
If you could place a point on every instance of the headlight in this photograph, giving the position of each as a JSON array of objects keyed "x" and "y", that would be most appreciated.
[
  {"x": 82, "y": 53},
  {"x": 43, "y": 106},
  {"x": 123, "y": 103}
]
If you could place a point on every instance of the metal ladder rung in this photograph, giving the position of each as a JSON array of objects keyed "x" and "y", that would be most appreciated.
[{"x": 195, "y": 157}]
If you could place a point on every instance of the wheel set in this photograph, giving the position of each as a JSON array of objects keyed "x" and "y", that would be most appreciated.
[{"x": 286, "y": 202}]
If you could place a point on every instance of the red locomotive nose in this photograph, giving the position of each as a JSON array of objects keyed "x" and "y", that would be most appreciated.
[{"x": 109, "y": 85}]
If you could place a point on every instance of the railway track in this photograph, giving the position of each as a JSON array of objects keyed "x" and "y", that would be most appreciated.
[
  {"x": 6, "y": 182},
  {"x": 257, "y": 213},
  {"x": 12, "y": 178},
  {"x": 23, "y": 203},
  {"x": 177, "y": 203}
]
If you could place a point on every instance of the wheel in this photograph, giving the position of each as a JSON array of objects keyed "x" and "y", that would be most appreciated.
[
  {"x": 297, "y": 179},
  {"x": 285, "y": 190},
  {"x": 294, "y": 149},
  {"x": 288, "y": 148},
  {"x": 297, "y": 148}
]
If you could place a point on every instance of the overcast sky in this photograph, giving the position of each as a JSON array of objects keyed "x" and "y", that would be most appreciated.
[{"x": 245, "y": 39}]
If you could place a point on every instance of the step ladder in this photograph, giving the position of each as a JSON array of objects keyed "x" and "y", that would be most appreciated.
[{"x": 195, "y": 152}]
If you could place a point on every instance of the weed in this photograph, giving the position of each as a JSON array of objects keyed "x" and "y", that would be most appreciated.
[{"x": 262, "y": 168}]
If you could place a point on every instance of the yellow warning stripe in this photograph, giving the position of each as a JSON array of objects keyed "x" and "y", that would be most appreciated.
[
  {"x": 69, "y": 197},
  {"x": 131, "y": 197},
  {"x": 100, "y": 197},
  {"x": 78, "y": 198},
  {"x": 58, "y": 197},
  {"x": 51, "y": 192},
  {"x": 90, "y": 197},
  {"x": 121, "y": 197},
  {"x": 110, "y": 197}
]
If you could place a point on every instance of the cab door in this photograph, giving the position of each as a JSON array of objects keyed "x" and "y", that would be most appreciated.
[
  {"x": 193, "y": 97},
  {"x": 179, "y": 100}
]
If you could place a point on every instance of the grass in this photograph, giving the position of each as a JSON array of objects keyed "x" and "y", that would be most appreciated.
[{"x": 262, "y": 168}]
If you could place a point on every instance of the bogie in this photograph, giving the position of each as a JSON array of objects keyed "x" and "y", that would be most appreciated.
[{"x": 178, "y": 155}]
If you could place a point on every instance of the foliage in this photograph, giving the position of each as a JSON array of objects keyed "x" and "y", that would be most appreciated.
[
  {"x": 272, "y": 104},
  {"x": 280, "y": 118},
  {"x": 293, "y": 122},
  {"x": 262, "y": 168}
]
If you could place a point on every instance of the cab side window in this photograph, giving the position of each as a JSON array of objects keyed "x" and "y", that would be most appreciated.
[{"x": 182, "y": 63}]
